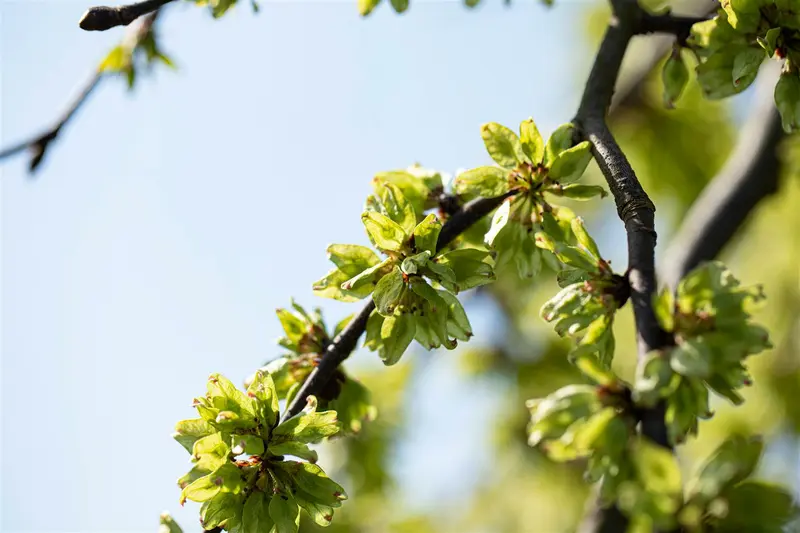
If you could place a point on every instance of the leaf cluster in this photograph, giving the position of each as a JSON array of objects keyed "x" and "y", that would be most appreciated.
[
  {"x": 714, "y": 335},
  {"x": 241, "y": 474}
]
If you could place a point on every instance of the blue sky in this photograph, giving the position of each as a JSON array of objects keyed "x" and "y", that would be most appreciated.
[{"x": 167, "y": 224}]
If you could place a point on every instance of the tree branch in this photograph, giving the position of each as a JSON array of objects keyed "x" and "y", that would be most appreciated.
[
  {"x": 39, "y": 144},
  {"x": 679, "y": 26},
  {"x": 750, "y": 175},
  {"x": 634, "y": 207},
  {"x": 102, "y": 18},
  {"x": 344, "y": 344}
]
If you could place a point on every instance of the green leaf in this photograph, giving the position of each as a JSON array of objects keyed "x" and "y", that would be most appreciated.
[
  {"x": 353, "y": 405},
  {"x": 255, "y": 516},
  {"x": 117, "y": 60},
  {"x": 226, "y": 397},
  {"x": 503, "y": 145},
  {"x": 263, "y": 390},
  {"x": 577, "y": 191},
  {"x": 715, "y": 74},
  {"x": 664, "y": 305},
  {"x": 746, "y": 64},
  {"x": 570, "y": 164},
  {"x": 294, "y": 448},
  {"x": 247, "y": 444},
  {"x": 532, "y": 142},
  {"x": 201, "y": 489},
  {"x": 398, "y": 208},
  {"x": 426, "y": 234},
  {"x": 787, "y": 100},
  {"x": 331, "y": 287},
  {"x": 400, "y": 6},
  {"x": 457, "y": 322},
  {"x": 384, "y": 232},
  {"x": 743, "y": 15},
  {"x": 691, "y": 358},
  {"x": 488, "y": 182},
  {"x": 389, "y": 291},
  {"x": 560, "y": 140},
  {"x": 320, "y": 514},
  {"x": 770, "y": 41},
  {"x": 285, "y": 513},
  {"x": 187, "y": 432},
  {"x": 675, "y": 76},
  {"x": 657, "y": 467},
  {"x": 352, "y": 259},
  {"x": 397, "y": 332},
  {"x": 758, "y": 507},
  {"x": 364, "y": 283},
  {"x": 312, "y": 480},
  {"x": 583, "y": 237},
  {"x": 224, "y": 506},
  {"x": 731, "y": 463}
]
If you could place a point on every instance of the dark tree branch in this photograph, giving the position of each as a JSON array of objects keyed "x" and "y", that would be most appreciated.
[
  {"x": 750, "y": 175},
  {"x": 343, "y": 345},
  {"x": 103, "y": 18},
  {"x": 679, "y": 26},
  {"x": 39, "y": 144},
  {"x": 634, "y": 207}
]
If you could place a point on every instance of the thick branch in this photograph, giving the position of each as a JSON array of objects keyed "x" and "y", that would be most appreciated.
[
  {"x": 750, "y": 175},
  {"x": 341, "y": 348},
  {"x": 103, "y": 18},
  {"x": 679, "y": 26},
  {"x": 633, "y": 206}
]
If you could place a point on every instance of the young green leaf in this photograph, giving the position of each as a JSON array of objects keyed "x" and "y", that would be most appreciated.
[
  {"x": 482, "y": 181},
  {"x": 560, "y": 140},
  {"x": 397, "y": 332},
  {"x": 426, "y": 234},
  {"x": 388, "y": 292},
  {"x": 570, "y": 164},
  {"x": 384, "y": 232},
  {"x": 503, "y": 145},
  {"x": 283, "y": 510},
  {"x": 255, "y": 516},
  {"x": 532, "y": 142}
]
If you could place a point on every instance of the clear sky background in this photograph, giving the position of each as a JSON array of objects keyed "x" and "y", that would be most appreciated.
[{"x": 167, "y": 224}]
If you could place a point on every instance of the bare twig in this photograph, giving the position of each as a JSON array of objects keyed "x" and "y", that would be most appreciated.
[
  {"x": 39, "y": 144},
  {"x": 341, "y": 348},
  {"x": 750, "y": 175},
  {"x": 103, "y": 18}
]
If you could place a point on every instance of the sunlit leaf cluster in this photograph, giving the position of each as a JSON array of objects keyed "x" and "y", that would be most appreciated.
[
  {"x": 528, "y": 169},
  {"x": 714, "y": 335},
  {"x": 239, "y": 450},
  {"x": 732, "y": 46}
]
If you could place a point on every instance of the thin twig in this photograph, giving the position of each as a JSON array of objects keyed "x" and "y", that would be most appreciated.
[
  {"x": 341, "y": 348},
  {"x": 102, "y": 18},
  {"x": 750, "y": 175},
  {"x": 39, "y": 144}
]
